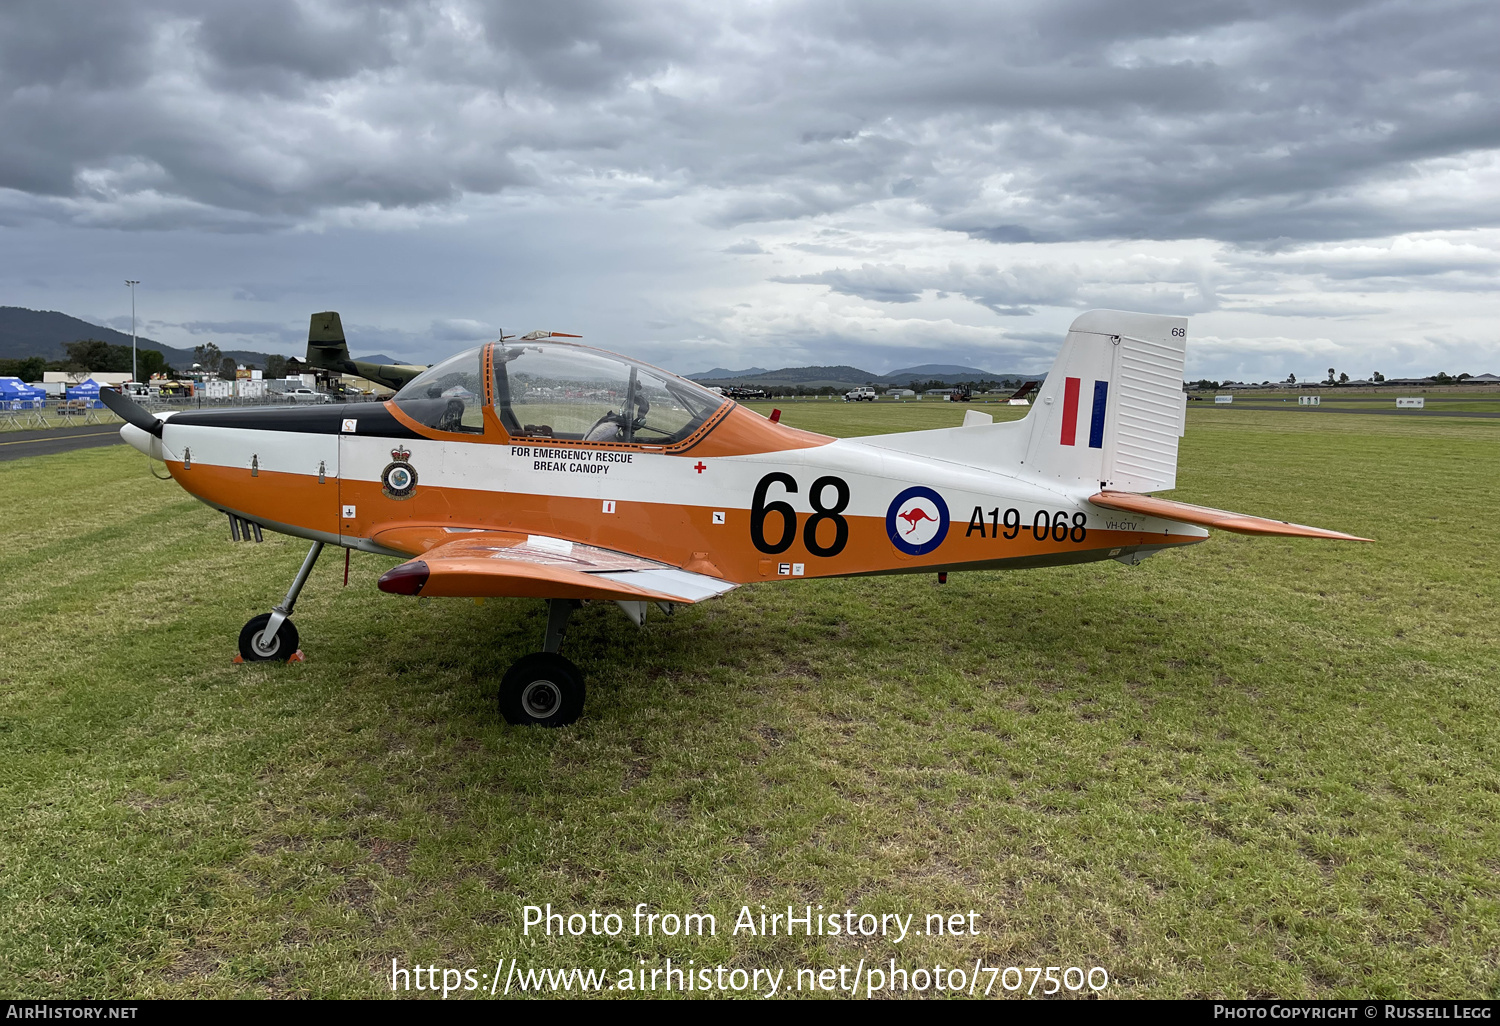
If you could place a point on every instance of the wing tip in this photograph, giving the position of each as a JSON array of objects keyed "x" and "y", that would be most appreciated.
[{"x": 406, "y": 579}]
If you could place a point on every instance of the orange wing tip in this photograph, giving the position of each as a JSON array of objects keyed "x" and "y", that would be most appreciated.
[{"x": 1205, "y": 516}]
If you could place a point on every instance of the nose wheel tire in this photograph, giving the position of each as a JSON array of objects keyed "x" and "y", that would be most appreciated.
[
  {"x": 541, "y": 690},
  {"x": 255, "y": 648}
]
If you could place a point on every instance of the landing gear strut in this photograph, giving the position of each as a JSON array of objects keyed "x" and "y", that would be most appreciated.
[
  {"x": 273, "y": 636},
  {"x": 544, "y": 689}
]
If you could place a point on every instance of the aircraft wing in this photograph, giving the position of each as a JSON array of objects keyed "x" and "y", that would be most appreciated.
[
  {"x": 482, "y": 564},
  {"x": 1240, "y": 523}
]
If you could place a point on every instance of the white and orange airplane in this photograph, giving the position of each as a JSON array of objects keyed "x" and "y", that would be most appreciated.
[{"x": 539, "y": 468}]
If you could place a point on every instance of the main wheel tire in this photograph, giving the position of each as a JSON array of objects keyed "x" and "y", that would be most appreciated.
[
  {"x": 279, "y": 649},
  {"x": 541, "y": 690}
]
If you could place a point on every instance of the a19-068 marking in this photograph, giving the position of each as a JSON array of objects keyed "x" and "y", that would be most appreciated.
[{"x": 1058, "y": 525}]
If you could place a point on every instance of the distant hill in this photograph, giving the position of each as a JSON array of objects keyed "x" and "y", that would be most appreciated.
[
  {"x": 928, "y": 371},
  {"x": 720, "y": 372},
  {"x": 44, "y": 333},
  {"x": 844, "y": 376}
]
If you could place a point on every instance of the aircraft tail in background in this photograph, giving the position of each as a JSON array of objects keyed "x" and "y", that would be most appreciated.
[
  {"x": 328, "y": 350},
  {"x": 1021, "y": 396}
]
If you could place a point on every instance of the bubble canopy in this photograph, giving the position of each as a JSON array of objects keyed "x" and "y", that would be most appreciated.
[
  {"x": 561, "y": 391},
  {"x": 448, "y": 396}
]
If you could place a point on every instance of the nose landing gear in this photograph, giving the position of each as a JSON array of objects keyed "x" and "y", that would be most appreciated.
[
  {"x": 544, "y": 689},
  {"x": 259, "y": 645},
  {"x": 272, "y": 636}
]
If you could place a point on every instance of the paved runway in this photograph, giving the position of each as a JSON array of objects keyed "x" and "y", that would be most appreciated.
[
  {"x": 15, "y": 445},
  {"x": 1243, "y": 397},
  {"x": 1391, "y": 412}
]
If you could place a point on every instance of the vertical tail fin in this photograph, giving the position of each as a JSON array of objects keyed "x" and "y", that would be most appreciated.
[
  {"x": 326, "y": 347},
  {"x": 1112, "y": 408}
]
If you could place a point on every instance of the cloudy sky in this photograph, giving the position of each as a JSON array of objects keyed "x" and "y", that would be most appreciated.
[{"x": 765, "y": 183}]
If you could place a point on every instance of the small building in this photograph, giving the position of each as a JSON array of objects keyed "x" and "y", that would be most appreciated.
[{"x": 67, "y": 378}]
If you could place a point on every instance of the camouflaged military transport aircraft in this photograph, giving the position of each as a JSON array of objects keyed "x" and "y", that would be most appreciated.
[{"x": 536, "y": 468}]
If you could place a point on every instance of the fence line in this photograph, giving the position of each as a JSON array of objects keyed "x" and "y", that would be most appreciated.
[{"x": 27, "y": 414}]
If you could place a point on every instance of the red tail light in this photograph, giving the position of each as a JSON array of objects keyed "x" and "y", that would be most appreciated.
[{"x": 406, "y": 579}]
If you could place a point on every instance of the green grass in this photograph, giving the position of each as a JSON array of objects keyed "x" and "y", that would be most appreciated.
[{"x": 1252, "y": 767}]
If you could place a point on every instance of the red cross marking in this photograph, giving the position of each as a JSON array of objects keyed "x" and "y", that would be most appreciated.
[{"x": 699, "y": 467}]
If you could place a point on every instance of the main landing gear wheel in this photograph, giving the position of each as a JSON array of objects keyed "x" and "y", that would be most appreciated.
[
  {"x": 256, "y": 648},
  {"x": 542, "y": 690}
]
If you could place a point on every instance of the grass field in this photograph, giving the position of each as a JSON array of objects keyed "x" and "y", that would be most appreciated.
[{"x": 1253, "y": 767}]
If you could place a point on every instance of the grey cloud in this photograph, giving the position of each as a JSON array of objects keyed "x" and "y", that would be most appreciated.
[
  {"x": 1008, "y": 292},
  {"x": 233, "y": 328},
  {"x": 1247, "y": 121},
  {"x": 1314, "y": 308},
  {"x": 460, "y": 330},
  {"x": 880, "y": 284},
  {"x": 258, "y": 44}
]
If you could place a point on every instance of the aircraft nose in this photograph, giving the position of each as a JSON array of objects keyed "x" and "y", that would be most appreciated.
[
  {"x": 142, "y": 440},
  {"x": 136, "y": 437}
]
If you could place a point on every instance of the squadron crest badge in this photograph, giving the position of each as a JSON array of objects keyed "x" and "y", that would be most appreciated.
[{"x": 399, "y": 478}]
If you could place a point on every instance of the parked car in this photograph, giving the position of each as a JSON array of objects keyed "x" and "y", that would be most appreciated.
[
  {"x": 864, "y": 393},
  {"x": 307, "y": 395}
]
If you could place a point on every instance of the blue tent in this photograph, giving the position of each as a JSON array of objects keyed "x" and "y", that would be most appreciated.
[
  {"x": 88, "y": 390},
  {"x": 15, "y": 394}
]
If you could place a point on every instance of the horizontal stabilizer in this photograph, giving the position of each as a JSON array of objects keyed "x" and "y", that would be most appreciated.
[{"x": 1239, "y": 523}]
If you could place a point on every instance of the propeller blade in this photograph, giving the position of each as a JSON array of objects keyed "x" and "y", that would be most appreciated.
[{"x": 128, "y": 410}]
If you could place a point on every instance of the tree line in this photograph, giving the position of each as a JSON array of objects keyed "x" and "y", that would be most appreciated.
[
  {"x": 91, "y": 354},
  {"x": 86, "y": 355}
]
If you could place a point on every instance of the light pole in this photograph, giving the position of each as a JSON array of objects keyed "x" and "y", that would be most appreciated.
[{"x": 132, "y": 285}]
